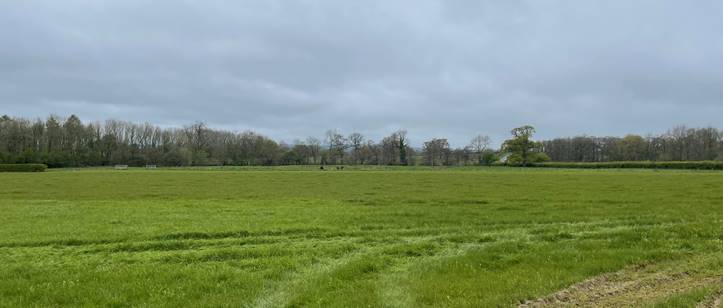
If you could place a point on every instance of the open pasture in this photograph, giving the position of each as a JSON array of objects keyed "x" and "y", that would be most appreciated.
[{"x": 381, "y": 238}]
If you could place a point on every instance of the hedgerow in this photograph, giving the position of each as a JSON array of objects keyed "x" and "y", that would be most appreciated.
[
  {"x": 22, "y": 167},
  {"x": 696, "y": 165}
]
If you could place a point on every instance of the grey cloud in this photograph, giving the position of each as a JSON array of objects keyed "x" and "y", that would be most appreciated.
[{"x": 291, "y": 69}]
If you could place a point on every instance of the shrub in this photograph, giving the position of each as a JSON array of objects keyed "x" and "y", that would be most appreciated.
[
  {"x": 489, "y": 157},
  {"x": 514, "y": 160},
  {"x": 539, "y": 158},
  {"x": 532, "y": 159},
  {"x": 22, "y": 167},
  {"x": 177, "y": 157}
]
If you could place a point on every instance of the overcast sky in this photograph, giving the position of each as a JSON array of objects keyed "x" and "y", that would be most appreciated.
[{"x": 290, "y": 69}]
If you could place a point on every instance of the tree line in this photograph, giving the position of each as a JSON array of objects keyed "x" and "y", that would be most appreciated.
[
  {"x": 69, "y": 142},
  {"x": 678, "y": 144}
]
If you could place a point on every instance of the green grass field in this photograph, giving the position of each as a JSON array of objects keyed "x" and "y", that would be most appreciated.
[{"x": 380, "y": 238}]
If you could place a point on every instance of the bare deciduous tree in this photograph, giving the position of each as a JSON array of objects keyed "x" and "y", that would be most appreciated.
[{"x": 478, "y": 145}]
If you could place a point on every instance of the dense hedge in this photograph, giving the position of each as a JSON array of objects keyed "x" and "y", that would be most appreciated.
[
  {"x": 698, "y": 165},
  {"x": 22, "y": 167}
]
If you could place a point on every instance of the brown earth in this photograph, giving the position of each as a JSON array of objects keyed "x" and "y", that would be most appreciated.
[{"x": 643, "y": 285}]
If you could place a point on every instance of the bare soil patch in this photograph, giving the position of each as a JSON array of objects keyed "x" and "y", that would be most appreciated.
[{"x": 643, "y": 285}]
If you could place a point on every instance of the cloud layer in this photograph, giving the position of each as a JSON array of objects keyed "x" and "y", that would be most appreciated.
[{"x": 290, "y": 69}]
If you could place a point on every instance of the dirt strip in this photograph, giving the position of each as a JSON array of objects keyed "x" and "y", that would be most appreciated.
[{"x": 641, "y": 285}]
